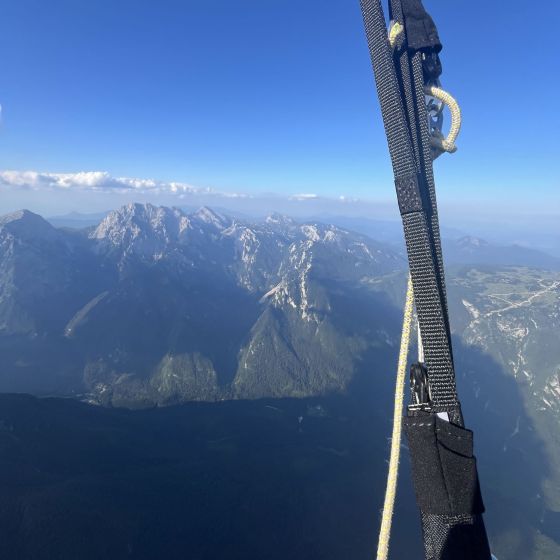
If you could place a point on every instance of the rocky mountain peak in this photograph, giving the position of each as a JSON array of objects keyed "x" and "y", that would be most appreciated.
[
  {"x": 211, "y": 217},
  {"x": 471, "y": 242},
  {"x": 279, "y": 219},
  {"x": 27, "y": 225},
  {"x": 135, "y": 222}
]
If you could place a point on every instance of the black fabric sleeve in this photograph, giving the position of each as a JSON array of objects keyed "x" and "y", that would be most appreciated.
[{"x": 421, "y": 32}]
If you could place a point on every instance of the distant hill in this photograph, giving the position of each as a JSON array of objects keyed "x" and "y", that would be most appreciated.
[
  {"x": 459, "y": 247},
  {"x": 386, "y": 231},
  {"x": 473, "y": 250},
  {"x": 76, "y": 220}
]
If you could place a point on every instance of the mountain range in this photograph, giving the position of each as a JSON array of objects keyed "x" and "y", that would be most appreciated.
[
  {"x": 461, "y": 247},
  {"x": 157, "y": 306}
]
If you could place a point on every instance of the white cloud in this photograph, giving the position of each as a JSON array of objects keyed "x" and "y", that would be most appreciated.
[
  {"x": 100, "y": 181},
  {"x": 304, "y": 196}
]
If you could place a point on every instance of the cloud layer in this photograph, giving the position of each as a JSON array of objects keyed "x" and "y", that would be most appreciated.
[{"x": 99, "y": 181}]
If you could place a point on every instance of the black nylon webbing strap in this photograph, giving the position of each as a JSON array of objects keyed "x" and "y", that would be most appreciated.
[
  {"x": 394, "y": 120},
  {"x": 418, "y": 212},
  {"x": 426, "y": 169},
  {"x": 444, "y": 468},
  {"x": 410, "y": 75},
  {"x": 437, "y": 355}
]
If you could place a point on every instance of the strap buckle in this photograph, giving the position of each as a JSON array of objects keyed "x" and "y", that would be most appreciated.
[{"x": 421, "y": 395}]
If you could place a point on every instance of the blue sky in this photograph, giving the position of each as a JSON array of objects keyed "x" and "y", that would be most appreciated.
[{"x": 266, "y": 96}]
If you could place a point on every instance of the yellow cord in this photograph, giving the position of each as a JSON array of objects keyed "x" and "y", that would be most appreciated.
[
  {"x": 394, "y": 31},
  {"x": 391, "y": 491},
  {"x": 447, "y": 144}
]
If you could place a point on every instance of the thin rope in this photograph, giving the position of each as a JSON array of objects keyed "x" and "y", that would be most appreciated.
[
  {"x": 447, "y": 144},
  {"x": 391, "y": 490}
]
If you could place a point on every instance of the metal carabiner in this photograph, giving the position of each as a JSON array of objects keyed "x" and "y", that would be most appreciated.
[{"x": 434, "y": 108}]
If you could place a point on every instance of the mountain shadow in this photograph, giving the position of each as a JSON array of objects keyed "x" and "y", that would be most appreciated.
[
  {"x": 512, "y": 460},
  {"x": 269, "y": 478}
]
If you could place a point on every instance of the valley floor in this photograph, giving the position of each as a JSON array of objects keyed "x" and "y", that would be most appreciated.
[{"x": 265, "y": 479}]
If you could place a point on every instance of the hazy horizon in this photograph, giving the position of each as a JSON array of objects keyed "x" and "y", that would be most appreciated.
[
  {"x": 103, "y": 104},
  {"x": 537, "y": 231}
]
